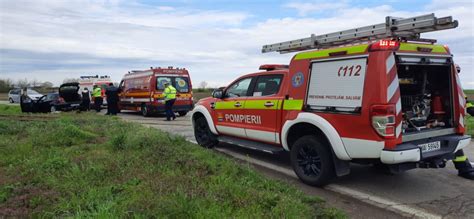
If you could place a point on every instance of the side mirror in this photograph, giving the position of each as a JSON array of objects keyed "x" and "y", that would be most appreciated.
[{"x": 218, "y": 93}]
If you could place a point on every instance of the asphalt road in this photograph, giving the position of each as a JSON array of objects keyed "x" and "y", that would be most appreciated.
[{"x": 425, "y": 193}]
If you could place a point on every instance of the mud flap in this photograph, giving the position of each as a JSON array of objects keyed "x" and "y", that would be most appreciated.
[{"x": 342, "y": 167}]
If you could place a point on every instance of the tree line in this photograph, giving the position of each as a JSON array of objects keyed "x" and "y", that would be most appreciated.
[{"x": 8, "y": 84}]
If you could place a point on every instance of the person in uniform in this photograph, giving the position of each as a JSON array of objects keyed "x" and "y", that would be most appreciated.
[
  {"x": 170, "y": 98},
  {"x": 86, "y": 100},
  {"x": 97, "y": 95},
  {"x": 112, "y": 99},
  {"x": 462, "y": 164}
]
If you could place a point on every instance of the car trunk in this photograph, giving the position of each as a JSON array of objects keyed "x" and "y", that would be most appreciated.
[
  {"x": 69, "y": 92},
  {"x": 426, "y": 95}
]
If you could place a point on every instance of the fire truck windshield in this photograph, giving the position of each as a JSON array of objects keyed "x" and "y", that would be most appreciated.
[{"x": 180, "y": 83}]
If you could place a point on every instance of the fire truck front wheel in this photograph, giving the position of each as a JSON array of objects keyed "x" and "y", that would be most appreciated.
[
  {"x": 203, "y": 134},
  {"x": 311, "y": 160}
]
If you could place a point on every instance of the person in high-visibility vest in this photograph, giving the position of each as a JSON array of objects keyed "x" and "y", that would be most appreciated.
[
  {"x": 170, "y": 98},
  {"x": 97, "y": 95}
]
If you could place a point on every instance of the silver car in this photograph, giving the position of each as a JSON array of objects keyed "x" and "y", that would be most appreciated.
[{"x": 14, "y": 95}]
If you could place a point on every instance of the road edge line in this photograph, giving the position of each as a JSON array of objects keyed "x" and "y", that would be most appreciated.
[{"x": 398, "y": 208}]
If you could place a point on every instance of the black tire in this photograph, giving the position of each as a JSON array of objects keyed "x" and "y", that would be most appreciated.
[
  {"x": 10, "y": 100},
  {"x": 312, "y": 161},
  {"x": 145, "y": 111},
  {"x": 182, "y": 113},
  {"x": 203, "y": 134}
]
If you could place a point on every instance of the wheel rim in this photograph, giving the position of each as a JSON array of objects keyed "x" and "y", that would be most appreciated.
[
  {"x": 309, "y": 161},
  {"x": 144, "y": 110},
  {"x": 53, "y": 109},
  {"x": 201, "y": 132}
]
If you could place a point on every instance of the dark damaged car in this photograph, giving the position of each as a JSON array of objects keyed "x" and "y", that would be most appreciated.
[{"x": 66, "y": 99}]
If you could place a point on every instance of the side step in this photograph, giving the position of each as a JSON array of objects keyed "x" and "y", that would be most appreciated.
[{"x": 268, "y": 148}]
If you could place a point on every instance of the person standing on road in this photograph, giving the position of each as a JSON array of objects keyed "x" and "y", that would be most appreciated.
[
  {"x": 170, "y": 98},
  {"x": 112, "y": 99},
  {"x": 86, "y": 100},
  {"x": 97, "y": 95}
]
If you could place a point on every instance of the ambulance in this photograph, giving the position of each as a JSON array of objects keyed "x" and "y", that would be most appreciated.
[
  {"x": 142, "y": 91},
  {"x": 378, "y": 95},
  {"x": 88, "y": 81}
]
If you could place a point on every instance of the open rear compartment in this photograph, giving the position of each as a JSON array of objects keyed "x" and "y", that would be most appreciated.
[{"x": 426, "y": 95}]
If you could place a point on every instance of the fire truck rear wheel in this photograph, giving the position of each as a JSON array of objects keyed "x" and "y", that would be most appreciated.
[
  {"x": 144, "y": 110},
  {"x": 182, "y": 113},
  {"x": 311, "y": 160},
  {"x": 203, "y": 134}
]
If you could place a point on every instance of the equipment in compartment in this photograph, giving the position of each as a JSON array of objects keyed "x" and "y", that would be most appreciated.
[{"x": 422, "y": 102}]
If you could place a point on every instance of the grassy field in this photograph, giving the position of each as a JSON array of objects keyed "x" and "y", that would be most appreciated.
[
  {"x": 85, "y": 165},
  {"x": 200, "y": 95}
]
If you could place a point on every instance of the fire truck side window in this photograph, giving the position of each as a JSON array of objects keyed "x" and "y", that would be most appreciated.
[
  {"x": 267, "y": 85},
  {"x": 239, "y": 88},
  {"x": 160, "y": 82}
]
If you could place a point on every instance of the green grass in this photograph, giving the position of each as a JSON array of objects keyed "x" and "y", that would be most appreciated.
[
  {"x": 469, "y": 91},
  {"x": 470, "y": 125},
  {"x": 199, "y": 95},
  {"x": 85, "y": 165},
  {"x": 9, "y": 109}
]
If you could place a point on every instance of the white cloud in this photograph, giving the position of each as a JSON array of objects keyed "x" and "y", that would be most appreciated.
[
  {"x": 304, "y": 8},
  {"x": 114, "y": 37}
]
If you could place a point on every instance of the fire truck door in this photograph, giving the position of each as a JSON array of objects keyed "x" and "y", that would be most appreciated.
[
  {"x": 228, "y": 111},
  {"x": 263, "y": 108}
]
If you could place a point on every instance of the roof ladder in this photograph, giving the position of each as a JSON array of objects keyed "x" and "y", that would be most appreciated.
[{"x": 396, "y": 28}]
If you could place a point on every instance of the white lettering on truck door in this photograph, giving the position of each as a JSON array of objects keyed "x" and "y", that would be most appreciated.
[{"x": 337, "y": 83}]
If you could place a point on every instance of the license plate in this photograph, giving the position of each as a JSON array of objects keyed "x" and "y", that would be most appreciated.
[
  {"x": 73, "y": 105},
  {"x": 432, "y": 146}
]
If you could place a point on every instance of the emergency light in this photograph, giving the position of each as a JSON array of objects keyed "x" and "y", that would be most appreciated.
[{"x": 384, "y": 45}]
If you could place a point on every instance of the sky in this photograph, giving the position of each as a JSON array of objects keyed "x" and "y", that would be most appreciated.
[{"x": 217, "y": 41}]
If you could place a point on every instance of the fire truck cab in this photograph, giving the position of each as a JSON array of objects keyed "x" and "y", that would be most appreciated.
[
  {"x": 392, "y": 102},
  {"x": 142, "y": 91}
]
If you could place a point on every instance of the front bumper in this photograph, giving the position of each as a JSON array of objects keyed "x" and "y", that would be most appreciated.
[{"x": 410, "y": 152}]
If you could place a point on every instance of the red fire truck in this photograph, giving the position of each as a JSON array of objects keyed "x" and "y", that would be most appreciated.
[
  {"x": 378, "y": 94},
  {"x": 143, "y": 90}
]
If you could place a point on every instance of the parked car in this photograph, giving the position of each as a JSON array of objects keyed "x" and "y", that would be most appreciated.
[
  {"x": 14, "y": 96},
  {"x": 66, "y": 99}
]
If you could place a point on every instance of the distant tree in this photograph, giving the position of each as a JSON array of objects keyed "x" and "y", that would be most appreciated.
[
  {"x": 70, "y": 80},
  {"x": 202, "y": 86},
  {"x": 35, "y": 83},
  {"x": 47, "y": 84},
  {"x": 5, "y": 85},
  {"x": 22, "y": 83}
]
